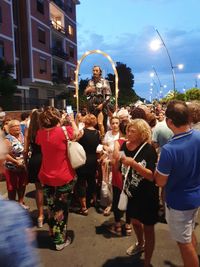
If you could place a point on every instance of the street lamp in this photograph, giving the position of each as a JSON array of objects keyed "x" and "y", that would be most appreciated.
[
  {"x": 152, "y": 74},
  {"x": 196, "y": 80},
  {"x": 155, "y": 45}
]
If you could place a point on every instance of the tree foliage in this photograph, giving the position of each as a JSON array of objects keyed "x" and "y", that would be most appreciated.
[
  {"x": 191, "y": 94},
  {"x": 7, "y": 83},
  {"x": 126, "y": 82}
]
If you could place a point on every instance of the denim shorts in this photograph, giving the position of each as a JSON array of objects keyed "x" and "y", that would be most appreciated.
[{"x": 181, "y": 223}]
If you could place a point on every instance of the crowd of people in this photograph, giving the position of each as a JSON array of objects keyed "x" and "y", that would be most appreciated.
[{"x": 133, "y": 142}]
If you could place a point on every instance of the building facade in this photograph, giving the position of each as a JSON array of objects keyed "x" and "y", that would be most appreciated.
[{"x": 39, "y": 38}]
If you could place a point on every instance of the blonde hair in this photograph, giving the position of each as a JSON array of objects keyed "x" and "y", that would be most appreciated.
[
  {"x": 142, "y": 128},
  {"x": 114, "y": 118},
  {"x": 13, "y": 123}
]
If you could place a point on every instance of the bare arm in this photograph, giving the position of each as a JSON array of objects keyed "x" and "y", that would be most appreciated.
[
  {"x": 9, "y": 156},
  {"x": 160, "y": 179},
  {"x": 144, "y": 172}
]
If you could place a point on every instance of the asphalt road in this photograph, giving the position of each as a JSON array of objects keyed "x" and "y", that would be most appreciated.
[{"x": 93, "y": 246}]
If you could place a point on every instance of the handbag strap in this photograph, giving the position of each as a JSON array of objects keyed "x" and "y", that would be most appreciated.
[
  {"x": 128, "y": 169},
  {"x": 65, "y": 132}
]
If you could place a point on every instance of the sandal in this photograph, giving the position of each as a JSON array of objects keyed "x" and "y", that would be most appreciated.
[
  {"x": 128, "y": 229},
  {"x": 115, "y": 229},
  {"x": 83, "y": 212},
  {"x": 40, "y": 222},
  {"x": 107, "y": 211}
]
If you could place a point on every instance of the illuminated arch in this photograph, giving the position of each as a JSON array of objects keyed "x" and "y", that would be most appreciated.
[{"x": 78, "y": 69}]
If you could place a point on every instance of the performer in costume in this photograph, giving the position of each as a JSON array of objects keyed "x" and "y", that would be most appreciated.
[{"x": 98, "y": 95}]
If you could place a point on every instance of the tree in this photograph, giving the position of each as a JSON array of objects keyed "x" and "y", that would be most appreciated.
[
  {"x": 193, "y": 94},
  {"x": 126, "y": 82},
  {"x": 7, "y": 84}
]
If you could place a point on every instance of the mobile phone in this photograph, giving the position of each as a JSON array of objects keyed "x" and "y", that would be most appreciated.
[
  {"x": 121, "y": 154},
  {"x": 69, "y": 109}
]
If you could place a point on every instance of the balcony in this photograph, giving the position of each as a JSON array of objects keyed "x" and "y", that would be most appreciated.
[
  {"x": 59, "y": 79},
  {"x": 57, "y": 26},
  {"x": 59, "y": 53}
]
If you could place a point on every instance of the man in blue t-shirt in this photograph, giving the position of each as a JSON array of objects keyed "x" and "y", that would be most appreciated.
[{"x": 179, "y": 171}]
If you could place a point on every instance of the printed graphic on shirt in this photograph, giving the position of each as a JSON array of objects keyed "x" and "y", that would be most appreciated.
[{"x": 133, "y": 179}]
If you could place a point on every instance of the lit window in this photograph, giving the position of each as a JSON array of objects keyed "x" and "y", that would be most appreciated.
[
  {"x": 70, "y": 30},
  {"x": 41, "y": 36},
  {"x": 43, "y": 65},
  {"x": 40, "y": 6}
]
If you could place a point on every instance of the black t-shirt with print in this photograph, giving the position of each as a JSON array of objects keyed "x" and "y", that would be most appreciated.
[{"x": 136, "y": 184}]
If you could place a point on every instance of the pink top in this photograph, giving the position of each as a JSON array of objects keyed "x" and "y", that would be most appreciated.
[{"x": 56, "y": 169}]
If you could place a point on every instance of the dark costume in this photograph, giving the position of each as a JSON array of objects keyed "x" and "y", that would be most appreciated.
[{"x": 100, "y": 95}]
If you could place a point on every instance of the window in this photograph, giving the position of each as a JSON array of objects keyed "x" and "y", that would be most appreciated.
[
  {"x": 43, "y": 65},
  {"x": 70, "y": 30},
  {"x": 1, "y": 50},
  {"x": 50, "y": 93},
  {"x": 71, "y": 52},
  {"x": 69, "y": 6},
  {"x": 33, "y": 93},
  {"x": 40, "y": 6},
  {"x": 41, "y": 35},
  {"x": 1, "y": 15}
]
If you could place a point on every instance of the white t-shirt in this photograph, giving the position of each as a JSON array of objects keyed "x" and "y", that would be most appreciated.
[{"x": 110, "y": 139}]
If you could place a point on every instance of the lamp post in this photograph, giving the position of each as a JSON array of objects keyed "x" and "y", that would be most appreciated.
[
  {"x": 152, "y": 74},
  {"x": 196, "y": 80},
  {"x": 156, "y": 45}
]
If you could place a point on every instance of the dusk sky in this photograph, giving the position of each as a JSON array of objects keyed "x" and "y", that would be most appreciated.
[{"x": 124, "y": 29}]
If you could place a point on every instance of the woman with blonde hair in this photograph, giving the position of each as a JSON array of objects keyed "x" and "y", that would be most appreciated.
[
  {"x": 140, "y": 187},
  {"x": 15, "y": 172}
]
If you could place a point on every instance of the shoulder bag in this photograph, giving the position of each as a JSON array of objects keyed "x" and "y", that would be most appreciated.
[
  {"x": 123, "y": 199},
  {"x": 76, "y": 152}
]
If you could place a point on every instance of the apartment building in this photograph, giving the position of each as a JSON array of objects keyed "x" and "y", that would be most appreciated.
[{"x": 39, "y": 38}]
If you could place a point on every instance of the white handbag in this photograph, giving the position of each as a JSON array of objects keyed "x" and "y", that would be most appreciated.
[
  {"x": 76, "y": 152},
  {"x": 123, "y": 199}
]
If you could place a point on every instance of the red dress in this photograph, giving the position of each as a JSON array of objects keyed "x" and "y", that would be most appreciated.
[
  {"x": 116, "y": 174},
  {"x": 56, "y": 169}
]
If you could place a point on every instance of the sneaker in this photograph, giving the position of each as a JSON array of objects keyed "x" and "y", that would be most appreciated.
[
  {"x": 24, "y": 206},
  {"x": 134, "y": 250},
  {"x": 62, "y": 246}
]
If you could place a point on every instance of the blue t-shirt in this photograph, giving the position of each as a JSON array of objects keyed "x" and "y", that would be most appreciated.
[
  {"x": 16, "y": 247},
  {"x": 180, "y": 161}
]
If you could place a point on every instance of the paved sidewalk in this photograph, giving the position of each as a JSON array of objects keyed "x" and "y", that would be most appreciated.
[{"x": 93, "y": 246}]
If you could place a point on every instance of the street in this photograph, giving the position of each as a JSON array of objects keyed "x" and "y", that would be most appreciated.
[{"x": 93, "y": 246}]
